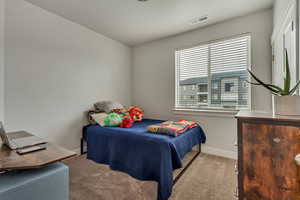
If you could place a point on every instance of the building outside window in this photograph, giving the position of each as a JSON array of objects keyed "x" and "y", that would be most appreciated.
[
  {"x": 245, "y": 84},
  {"x": 215, "y": 96}
]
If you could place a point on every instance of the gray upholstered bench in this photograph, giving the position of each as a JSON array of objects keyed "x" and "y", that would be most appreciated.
[{"x": 47, "y": 183}]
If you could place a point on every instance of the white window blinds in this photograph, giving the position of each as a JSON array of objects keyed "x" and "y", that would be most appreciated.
[
  {"x": 214, "y": 75},
  {"x": 193, "y": 62}
]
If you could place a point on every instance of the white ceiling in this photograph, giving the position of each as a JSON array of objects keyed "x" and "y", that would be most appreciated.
[{"x": 133, "y": 22}]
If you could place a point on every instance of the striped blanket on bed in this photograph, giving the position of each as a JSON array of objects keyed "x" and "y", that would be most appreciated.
[{"x": 172, "y": 128}]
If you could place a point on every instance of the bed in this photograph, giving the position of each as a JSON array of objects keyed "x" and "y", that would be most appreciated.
[{"x": 141, "y": 154}]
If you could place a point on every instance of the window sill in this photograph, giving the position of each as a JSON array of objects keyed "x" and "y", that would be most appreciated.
[{"x": 207, "y": 113}]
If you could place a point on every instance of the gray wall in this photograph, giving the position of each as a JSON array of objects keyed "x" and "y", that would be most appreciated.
[
  {"x": 1, "y": 60},
  {"x": 154, "y": 80},
  {"x": 55, "y": 70}
]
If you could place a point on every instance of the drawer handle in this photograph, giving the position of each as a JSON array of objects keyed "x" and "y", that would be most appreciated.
[
  {"x": 277, "y": 140},
  {"x": 297, "y": 159},
  {"x": 236, "y": 169}
]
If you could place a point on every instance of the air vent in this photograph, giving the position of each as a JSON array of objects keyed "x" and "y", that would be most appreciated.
[{"x": 199, "y": 20}]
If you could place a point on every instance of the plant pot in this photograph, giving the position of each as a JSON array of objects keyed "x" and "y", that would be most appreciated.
[{"x": 286, "y": 105}]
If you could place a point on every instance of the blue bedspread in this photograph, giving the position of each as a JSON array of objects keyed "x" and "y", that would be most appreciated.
[{"x": 141, "y": 154}]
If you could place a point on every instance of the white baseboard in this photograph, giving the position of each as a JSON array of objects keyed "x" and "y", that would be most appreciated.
[
  {"x": 205, "y": 149},
  {"x": 77, "y": 150},
  {"x": 219, "y": 152}
]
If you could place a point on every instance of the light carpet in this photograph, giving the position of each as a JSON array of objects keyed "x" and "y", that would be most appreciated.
[{"x": 208, "y": 178}]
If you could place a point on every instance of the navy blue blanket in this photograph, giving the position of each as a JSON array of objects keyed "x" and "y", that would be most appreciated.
[{"x": 141, "y": 154}]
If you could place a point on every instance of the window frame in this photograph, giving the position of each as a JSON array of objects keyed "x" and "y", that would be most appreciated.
[{"x": 211, "y": 109}]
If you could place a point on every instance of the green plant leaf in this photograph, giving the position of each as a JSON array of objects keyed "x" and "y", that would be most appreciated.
[
  {"x": 276, "y": 90},
  {"x": 275, "y": 87},
  {"x": 294, "y": 89},
  {"x": 263, "y": 84},
  {"x": 287, "y": 79},
  {"x": 252, "y": 83},
  {"x": 270, "y": 85},
  {"x": 276, "y": 94}
]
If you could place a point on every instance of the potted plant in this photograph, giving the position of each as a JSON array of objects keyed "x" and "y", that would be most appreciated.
[{"x": 285, "y": 101}]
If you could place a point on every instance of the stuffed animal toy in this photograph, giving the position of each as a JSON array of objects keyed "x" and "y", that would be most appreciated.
[
  {"x": 136, "y": 114},
  {"x": 122, "y": 112},
  {"x": 113, "y": 119},
  {"x": 127, "y": 122}
]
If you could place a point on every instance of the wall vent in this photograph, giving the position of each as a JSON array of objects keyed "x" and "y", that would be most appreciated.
[{"x": 199, "y": 20}]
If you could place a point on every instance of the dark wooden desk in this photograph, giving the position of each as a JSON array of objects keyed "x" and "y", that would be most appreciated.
[{"x": 10, "y": 160}]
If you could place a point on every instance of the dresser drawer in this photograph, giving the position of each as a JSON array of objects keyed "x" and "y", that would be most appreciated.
[{"x": 269, "y": 166}]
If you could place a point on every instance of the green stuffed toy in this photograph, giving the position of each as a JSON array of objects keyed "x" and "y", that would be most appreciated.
[{"x": 113, "y": 119}]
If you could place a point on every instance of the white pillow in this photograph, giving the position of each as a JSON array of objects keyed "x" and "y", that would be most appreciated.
[
  {"x": 107, "y": 106},
  {"x": 99, "y": 118}
]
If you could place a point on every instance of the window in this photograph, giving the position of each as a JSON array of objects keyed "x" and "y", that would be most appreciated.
[
  {"x": 203, "y": 88},
  {"x": 215, "y": 85},
  {"x": 229, "y": 87},
  {"x": 215, "y": 96},
  {"x": 229, "y": 90},
  {"x": 203, "y": 99},
  {"x": 219, "y": 69}
]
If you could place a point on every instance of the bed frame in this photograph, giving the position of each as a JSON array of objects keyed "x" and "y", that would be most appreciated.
[{"x": 176, "y": 178}]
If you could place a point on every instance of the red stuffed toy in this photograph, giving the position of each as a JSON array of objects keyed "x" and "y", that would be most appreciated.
[
  {"x": 136, "y": 114},
  {"x": 127, "y": 122}
]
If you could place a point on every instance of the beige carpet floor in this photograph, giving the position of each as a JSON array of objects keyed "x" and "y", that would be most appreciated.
[{"x": 208, "y": 178}]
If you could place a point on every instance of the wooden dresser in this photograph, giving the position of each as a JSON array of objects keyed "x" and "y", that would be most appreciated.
[{"x": 268, "y": 157}]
